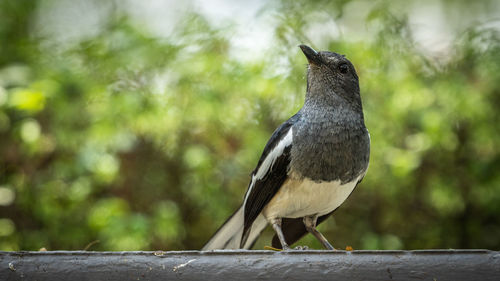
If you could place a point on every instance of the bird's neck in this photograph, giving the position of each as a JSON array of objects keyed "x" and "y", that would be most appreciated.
[
  {"x": 331, "y": 108},
  {"x": 324, "y": 94}
]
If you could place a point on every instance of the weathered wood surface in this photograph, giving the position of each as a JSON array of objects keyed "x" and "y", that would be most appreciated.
[{"x": 247, "y": 265}]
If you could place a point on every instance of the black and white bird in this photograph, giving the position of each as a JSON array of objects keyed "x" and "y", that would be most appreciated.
[{"x": 311, "y": 164}]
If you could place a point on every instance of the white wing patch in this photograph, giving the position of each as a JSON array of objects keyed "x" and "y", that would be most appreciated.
[{"x": 268, "y": 162}]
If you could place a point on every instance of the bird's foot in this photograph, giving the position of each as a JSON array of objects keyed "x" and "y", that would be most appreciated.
[{"x": 287, "y": 248}]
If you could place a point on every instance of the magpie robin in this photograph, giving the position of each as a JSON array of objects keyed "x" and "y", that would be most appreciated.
[{"x": 310, "y": 165}]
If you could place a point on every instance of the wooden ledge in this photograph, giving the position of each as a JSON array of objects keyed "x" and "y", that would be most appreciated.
[{"x": 247, "y": 265}]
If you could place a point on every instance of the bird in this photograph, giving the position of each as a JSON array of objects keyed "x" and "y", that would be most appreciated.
[{"x": 310, "y": 165}]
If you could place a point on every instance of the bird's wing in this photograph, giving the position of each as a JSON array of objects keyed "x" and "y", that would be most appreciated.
[{"x": 269, "y": 175}]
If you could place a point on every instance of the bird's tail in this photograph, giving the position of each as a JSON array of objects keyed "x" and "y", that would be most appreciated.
[{"x": 229, "y": 234}]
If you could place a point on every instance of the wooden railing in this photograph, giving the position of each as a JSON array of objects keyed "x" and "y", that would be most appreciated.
[{"x": 431, "y": 265}]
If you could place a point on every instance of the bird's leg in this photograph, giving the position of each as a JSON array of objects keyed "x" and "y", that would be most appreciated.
[
  {"x": 276, "y": 223},
  {"x": 310, "y": 224}
]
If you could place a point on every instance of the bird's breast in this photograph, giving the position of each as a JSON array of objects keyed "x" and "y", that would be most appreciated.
[{"x": 329, "y": 151}]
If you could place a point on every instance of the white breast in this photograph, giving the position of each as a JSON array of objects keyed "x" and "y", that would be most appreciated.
[{"x": 299, "y": 198}]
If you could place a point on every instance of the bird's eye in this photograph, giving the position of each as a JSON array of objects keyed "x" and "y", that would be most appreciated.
[{"x": 344, "y": 68}]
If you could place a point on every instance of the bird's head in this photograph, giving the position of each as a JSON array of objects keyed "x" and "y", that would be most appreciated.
[{"x": 331, "y": 76}]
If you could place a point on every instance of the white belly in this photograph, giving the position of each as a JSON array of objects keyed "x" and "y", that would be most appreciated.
[{"x": 299, "y": 198}]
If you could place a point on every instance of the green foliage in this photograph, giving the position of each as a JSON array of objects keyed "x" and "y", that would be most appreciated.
[{"x": 145, "y": 143}]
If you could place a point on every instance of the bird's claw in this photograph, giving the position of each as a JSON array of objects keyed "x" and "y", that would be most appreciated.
[{"x": 301, "y": 248}]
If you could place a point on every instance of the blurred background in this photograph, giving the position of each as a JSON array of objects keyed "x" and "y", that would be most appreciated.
[{"x": 134, "y": 125}]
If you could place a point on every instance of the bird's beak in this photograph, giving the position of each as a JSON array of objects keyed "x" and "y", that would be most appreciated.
[{"x": 311, "y": 55}]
